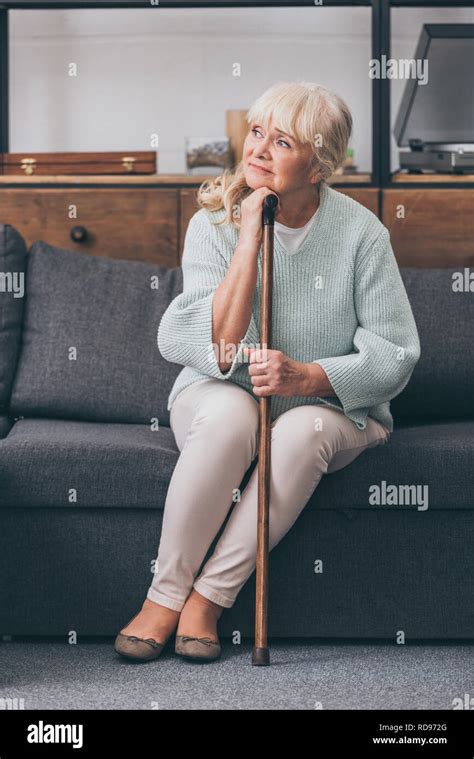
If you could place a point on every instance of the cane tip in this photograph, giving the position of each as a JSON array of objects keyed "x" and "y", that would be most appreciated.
[{"x": 261, "y": 657}]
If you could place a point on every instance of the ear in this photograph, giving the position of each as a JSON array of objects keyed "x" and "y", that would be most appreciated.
[{"x": 317, "y": 175}]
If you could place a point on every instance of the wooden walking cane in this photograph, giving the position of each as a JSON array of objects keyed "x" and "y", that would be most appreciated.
[{"x": 261, "y": 654}]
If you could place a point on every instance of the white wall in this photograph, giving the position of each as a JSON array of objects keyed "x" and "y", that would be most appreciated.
[{"x": 169, "y": 71}]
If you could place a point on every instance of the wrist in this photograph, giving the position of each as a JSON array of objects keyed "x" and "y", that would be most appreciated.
[
  {"x": 318, "y": 383},
  {"x": 249, "y": 247},
  {"x": 311, "y": 377}
]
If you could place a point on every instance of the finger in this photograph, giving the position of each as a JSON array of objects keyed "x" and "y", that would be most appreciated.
[
  {"x": 256, "y": 357},
  {"x": 262, "y": 354},
  {"x": 257, "y": 369},
  {"x": 259, "y": 379},
  {"x": 262, "y": 391}
]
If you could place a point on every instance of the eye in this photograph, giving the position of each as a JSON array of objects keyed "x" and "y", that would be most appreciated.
[{"x": 254, "y": 129}]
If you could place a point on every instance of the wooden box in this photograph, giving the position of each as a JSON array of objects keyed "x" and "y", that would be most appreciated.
[{"x": 112, "y": 162}]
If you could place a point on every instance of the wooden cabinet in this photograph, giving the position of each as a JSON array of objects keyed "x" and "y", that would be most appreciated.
[
  {"x": 430, "y": 227},
  {"x": 188, "y": 207},
  {"x": 139, "y": 224},
  {"x": 145, "y": 218}
]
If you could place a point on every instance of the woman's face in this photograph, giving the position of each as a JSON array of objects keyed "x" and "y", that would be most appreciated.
[{"x": 285, "y": 160}]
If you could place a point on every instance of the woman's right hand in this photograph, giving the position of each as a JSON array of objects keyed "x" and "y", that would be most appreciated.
[{"x": 251, "y": 209}]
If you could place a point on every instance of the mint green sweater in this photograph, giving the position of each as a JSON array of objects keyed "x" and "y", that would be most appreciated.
[{"x": 339, "y": 301}]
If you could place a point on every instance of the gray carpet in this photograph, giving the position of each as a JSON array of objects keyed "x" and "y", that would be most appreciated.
[{"x": 51, "y": 674}]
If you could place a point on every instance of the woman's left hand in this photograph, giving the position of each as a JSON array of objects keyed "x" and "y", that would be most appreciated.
[{"x": 273, "y": 373}]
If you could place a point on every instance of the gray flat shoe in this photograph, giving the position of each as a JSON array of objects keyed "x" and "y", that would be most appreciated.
[
  {"x": 139, "y": 649},
  {"x": 197, "y": 648}
]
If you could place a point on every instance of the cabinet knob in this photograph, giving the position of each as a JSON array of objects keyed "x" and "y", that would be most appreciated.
[{"x": 78, "y": 234}]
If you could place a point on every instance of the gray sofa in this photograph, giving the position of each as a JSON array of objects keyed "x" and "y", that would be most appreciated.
[{"x": 86, "y": 455}]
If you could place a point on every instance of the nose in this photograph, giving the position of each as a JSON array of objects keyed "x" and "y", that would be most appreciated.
[
  {"x": 261, "y": 150},
  {"x": 262, "y": 147}
]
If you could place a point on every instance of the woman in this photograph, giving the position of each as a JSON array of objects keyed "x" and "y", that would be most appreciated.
[{"x": 345, "y": 344}]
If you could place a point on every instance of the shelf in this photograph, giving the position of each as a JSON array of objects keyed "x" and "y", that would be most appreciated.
[
  {"x": 144, "y": 179},
  {"x": 461, "y": 179},
  {"x": 381, "y": 175},
  {"x": 350, "y": 179}
]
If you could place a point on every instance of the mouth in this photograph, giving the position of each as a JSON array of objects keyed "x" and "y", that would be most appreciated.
[{"x": 259, "y": 168}]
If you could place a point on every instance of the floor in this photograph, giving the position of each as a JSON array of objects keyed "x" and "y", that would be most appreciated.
[{"x": 47, "y": 673}]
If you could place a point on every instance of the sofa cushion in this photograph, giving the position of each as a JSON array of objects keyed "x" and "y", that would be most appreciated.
[
  {"x": 109, "y": 465},
  {"x": 442, "y": 381},
  {"x": 12, "y": 288},
  {"x": 130, "y": 466},
  {"x": 423, "y": 459},
  {"x": 107, "y": 312}
]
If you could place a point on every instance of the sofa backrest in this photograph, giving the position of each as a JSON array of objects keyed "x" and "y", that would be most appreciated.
[
  {"x": 12, "y": 290},
  {"x": 443, "y": 380},
  {"x": 89, "y": 348}
]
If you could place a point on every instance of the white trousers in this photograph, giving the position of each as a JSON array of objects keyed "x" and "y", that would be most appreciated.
[{"x": 215, "y": 424}]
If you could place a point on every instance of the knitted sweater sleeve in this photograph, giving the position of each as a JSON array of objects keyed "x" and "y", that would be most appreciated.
[
  {"x": 185, "y": 330},
  {"x": 386, "y": 342}
]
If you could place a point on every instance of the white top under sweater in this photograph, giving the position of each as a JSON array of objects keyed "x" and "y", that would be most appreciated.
[{"x": 292, "y": 238}]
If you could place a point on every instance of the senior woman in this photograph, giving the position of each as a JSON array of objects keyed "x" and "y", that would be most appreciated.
[{"x": 345, "y": 340}]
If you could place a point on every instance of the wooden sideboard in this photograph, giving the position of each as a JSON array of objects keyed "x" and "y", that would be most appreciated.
[
  {"x": 144, "y": 218},
  {"x": 139, "y": 224},
  {"x": 432, "y": 227}
]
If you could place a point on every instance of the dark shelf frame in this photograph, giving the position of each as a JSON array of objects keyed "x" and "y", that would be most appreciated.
[{"x": 380, "y": 28}]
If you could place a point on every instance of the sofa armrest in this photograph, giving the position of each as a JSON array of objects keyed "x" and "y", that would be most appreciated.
[{"x": 6, "y": 423}]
